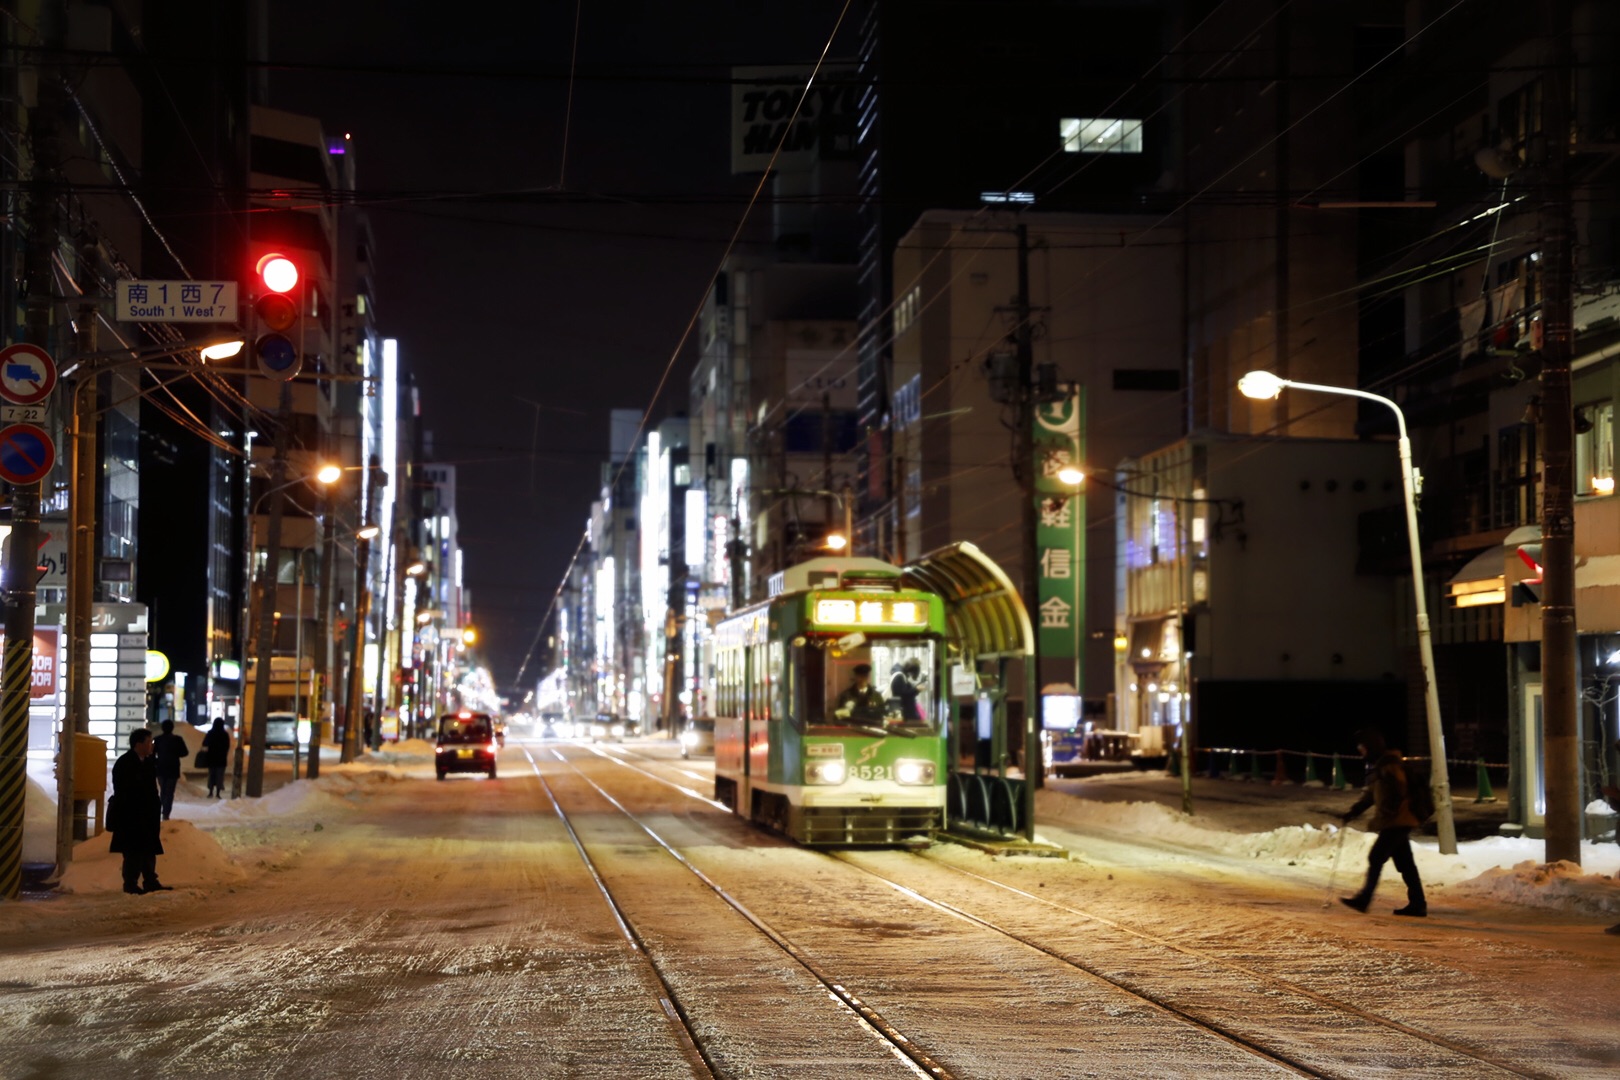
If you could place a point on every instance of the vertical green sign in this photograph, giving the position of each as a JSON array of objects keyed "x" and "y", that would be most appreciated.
[{"x": 1060, "y": 526}]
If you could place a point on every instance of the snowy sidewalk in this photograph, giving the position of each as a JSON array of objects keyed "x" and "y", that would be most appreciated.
[{"x": 1294, "y": 825}]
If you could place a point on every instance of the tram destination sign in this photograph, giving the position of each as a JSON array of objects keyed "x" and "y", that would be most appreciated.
[{"x": 177, "y": 301}]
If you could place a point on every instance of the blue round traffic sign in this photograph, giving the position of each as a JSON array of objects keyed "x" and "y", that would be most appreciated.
[
  {"x": 26, "y": 453},
  {"x": 27, "y": 374}
]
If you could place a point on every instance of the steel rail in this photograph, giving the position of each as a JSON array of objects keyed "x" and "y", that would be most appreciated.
[
  {"x": 1195, "y": 954},
  {"x": 907, "y": 1052},
  {"x": 667, "y": 1000}
]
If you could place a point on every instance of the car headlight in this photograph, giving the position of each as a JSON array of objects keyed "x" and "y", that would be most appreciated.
[
  {"x": 825, "y": 772},
  {"x": 618, "y": 729},
  {"x": 911, "y": 771}
]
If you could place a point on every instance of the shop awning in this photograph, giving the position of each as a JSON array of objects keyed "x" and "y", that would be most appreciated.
[
  {"x": 985, "y": 614},
  {"x": 1483, "y": 579}
]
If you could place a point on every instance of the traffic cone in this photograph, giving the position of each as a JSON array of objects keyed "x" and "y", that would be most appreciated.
[
  {"x": 1338, "y": 774},
  {"x": 1282, "y": 771},
  {"x": 1231, "y": 763},
  {"x": 1310, "y": 768},
  {"x": 1254, "y": 765},
  {"x": 1485, "y": 793}
]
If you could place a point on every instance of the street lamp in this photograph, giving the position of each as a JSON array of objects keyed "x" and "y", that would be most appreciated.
[
  {"x": 1262, "y": 385},
  {"x": 80, "y": 372}
]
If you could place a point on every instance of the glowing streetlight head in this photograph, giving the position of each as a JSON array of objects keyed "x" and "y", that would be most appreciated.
[
  {"x": 469, "y": 636},
  {"x": 329, "y": 474},
  {"x": 1261, "y": 385},
  {"x": 416, "y": 569},
  {"x": 368, "y": 533},
  {"x": 1071, "y": 476},
  {"x": 220, "y": 350},
  {"x": 837, "y": 542}
]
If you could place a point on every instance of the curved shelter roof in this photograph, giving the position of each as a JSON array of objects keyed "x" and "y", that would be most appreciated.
[{"x": 982, "y": 606}]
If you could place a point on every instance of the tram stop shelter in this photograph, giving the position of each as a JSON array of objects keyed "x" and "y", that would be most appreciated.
[{"x": 989, "y": 628}]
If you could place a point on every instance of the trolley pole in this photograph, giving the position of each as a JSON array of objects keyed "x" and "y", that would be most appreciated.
[{"x": 1024, "y": 468}]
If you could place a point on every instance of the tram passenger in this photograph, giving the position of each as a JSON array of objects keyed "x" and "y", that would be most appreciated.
[
  {"x": 862, "y": 701},
  {"x": 905, "y": 688}
]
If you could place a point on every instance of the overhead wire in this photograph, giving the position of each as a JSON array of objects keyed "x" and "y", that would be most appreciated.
[{"x": 691, "y": 323}]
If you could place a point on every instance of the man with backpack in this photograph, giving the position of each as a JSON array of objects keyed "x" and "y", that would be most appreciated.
[{"x": 1393, "y": 820}]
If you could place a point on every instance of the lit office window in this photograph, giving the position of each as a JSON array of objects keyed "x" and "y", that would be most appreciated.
[
  {"x": 1101, "y": 136},
  {"x": 1594, "y": 449}
]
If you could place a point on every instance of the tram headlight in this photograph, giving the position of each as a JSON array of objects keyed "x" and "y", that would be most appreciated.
[
  {"x": 825, "y": 772},
  {"x": 912, "y": 771}
]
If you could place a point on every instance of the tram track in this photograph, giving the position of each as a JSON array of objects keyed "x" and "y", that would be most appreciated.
[
  {"x": 1227, "y": 1031},
  {"x": 918, "y": 1061}
]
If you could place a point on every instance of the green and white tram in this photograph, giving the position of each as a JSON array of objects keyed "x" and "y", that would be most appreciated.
[{"x": 799, "y": 746}]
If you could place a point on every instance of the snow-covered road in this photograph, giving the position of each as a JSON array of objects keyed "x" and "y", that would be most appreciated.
[{"x": 377, "y": 923}]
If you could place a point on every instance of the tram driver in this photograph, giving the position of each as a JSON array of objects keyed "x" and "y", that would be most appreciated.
[{"x": 861, "y": 702}]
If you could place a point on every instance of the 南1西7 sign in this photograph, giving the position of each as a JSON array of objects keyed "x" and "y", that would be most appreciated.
[
  {"x": 1060, "y": 526},
  {"x": 177, "y": 301}
]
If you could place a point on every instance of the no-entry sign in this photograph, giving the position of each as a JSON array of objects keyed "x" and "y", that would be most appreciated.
[{"x": 26, "y": 453}]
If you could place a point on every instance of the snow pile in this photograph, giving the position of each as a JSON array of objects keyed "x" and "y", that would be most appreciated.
[
  {"x": 1499, "y": 868},
  {"x": 1561, "y": 885},
  {"x": 191, "y": 858},
  {"x": 39, "y": 824},
  {"x": 403, "y": 752}
]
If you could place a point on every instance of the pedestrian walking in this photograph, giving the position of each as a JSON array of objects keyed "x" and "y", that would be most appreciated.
[
  {"x": 1392, "y": 820},
  {"x": 216, "y": 752},
  {"x": 168, "y": 750},
  {"x": 134, "y": 815}
]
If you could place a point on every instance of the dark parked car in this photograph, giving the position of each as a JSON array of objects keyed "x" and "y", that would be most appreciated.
[
  {"x": 466, "y": 744},
  {"x": 697, "y": 737}
]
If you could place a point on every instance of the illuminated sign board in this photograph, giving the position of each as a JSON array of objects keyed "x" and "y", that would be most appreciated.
[{"x": 872, "y": 612}]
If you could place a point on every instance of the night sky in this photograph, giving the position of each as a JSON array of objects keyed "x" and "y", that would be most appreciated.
[{"x": 512, "y": 273}]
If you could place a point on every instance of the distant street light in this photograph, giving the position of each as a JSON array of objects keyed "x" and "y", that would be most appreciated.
[{"x": 1263, "y": 385}]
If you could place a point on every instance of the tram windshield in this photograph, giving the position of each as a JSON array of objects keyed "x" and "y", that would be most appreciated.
[{"x": 882, "y": 684}]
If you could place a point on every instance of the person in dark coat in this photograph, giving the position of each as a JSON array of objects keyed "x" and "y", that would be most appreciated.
[
  {"x": 216, "y": 752},
  {"x": 134, "y": 815},
  {"x": 1392, "y": 820},
  {"x": 168, "y": 750},
  {"x": 905, "y": 688}
]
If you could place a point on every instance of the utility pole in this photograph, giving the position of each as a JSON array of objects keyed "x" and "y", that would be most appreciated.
[
  {"x": 1024, "y": 468},
  {"x": 323, "y": 636},
  {"x": 1559, "y": 688},
  {"x": 267, "y": 599},
  {"x": 81, "y": 577},
  {"x": 19, "y": 573},
  {"x": 384, "y": 613},
  {"x": 362, "y": 612}
]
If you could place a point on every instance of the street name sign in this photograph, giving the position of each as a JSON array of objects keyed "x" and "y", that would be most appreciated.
[
  {"x": 177, "y": 301},
  {"x": 27, "y": 374}
]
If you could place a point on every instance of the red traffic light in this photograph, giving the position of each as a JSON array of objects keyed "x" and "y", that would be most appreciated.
[{"x": 277, "y": 273}]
